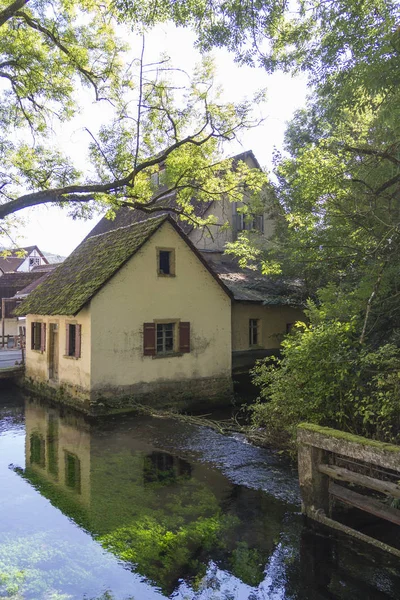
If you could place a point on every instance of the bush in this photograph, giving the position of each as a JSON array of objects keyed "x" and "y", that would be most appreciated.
[{"x": 325, "y": 376}]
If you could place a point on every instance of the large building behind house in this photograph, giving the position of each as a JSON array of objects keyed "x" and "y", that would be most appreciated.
[{"x": 263, "y": 308}]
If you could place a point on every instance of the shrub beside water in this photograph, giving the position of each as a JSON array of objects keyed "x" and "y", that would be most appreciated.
[{"x": 326, "y": 376}]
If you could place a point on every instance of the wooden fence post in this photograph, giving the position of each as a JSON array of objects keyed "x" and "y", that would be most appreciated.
[{"x": 313, "y": 484}]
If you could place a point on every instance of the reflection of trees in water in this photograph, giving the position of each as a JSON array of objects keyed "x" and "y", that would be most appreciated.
[{"x": 178, "y": 522}]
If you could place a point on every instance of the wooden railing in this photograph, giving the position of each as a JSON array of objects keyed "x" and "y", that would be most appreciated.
[
  {"x": 10, "y": 341},
  {"x": 332, "y": 463}
]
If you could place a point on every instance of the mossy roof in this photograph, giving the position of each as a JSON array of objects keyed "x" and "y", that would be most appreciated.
[
  {"x": 247, "y": 285},
  {"x": 74, "y": 283},
  {"x": 87, "y": 269}
]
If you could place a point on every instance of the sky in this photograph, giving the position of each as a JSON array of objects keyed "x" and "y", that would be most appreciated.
[{"x": 53, "y": 231}]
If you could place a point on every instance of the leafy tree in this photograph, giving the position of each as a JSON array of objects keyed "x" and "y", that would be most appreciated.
[
  {"x": 49, "y": 53},
  {"x": 326, "y": 39},
  {"x": 326, "y": 376}
]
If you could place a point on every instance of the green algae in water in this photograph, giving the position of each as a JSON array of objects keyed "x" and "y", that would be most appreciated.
[{"x": 113, "y": 511}]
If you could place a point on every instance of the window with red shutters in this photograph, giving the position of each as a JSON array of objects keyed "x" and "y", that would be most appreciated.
[
  {"x": 78, "y": 341},
  {"x": 149, "y": 339},
  {"x": 166, "y": 338},
  {"x": 73, "y": 340},
  {"x": 43, "y": 338},
  {"x": 37, "y": 333},
  {"x": 184, "y": 337}
]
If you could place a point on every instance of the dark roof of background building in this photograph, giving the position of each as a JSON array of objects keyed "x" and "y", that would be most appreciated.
[
  {"x": 247, "y": 285},
  {"x": 128, "y": 216},
  {"x": 45, "y": 268},
  {"x": 74, "y": 283},
  {"x": 42, "y": 274},
  {"x": 10, "y": 263},
  {"x": 11, "y": 283}
]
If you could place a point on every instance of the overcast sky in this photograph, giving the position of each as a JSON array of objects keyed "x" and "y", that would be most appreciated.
[{"x": 53, "y": 231}]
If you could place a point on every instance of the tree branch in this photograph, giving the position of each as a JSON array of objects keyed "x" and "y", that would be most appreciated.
[
  {"x": 388, "y": 184},
  {"x": 35, "y": 25},
  {"x": 373, "y": 152},
  {"x": 73, "y": 192},
  {"x": 9, "y": 12}
]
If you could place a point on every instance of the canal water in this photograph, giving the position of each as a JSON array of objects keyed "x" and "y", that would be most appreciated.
[{"x": 142, "y": 508}]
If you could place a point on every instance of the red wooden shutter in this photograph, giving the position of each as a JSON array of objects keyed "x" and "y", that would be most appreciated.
[
  {"x": 67, "y": 340},
  {"x": 149, "y": 339},
  {"x": 78, "y": 341},
  {"x": 184, "y": 337},
  {"x": 43, "y": 337}
]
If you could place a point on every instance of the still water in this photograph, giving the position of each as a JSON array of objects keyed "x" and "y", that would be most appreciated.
[{"x": 140, "y": 508}]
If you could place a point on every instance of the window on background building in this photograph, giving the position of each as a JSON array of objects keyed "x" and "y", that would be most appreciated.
[
  {"x": 73, "y": 340},
  {"x": 166, "y": 261},
  {"x": 38, "y": 336},
  {"x": 246, "y": 222},
  {"x": 254, "y": 332},
  {"x": 34, "y": 261}
]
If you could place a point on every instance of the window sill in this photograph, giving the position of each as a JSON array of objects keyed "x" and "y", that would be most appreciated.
[
  {"x": 168, "y": 355},
  {"x": 71, "y": 357},
  {"x": 166, "y": 275}
]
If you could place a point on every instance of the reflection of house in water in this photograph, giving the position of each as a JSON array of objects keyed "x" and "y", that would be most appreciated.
[
  {"x": 169, "y": 517},
  {"x": 59, "y": 448}
]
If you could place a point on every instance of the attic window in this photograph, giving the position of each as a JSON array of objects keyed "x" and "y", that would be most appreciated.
[
  {"x": 34, "y": 261},
  {"x": 157, "y": 178},
  {"x": 166, "y": 262}
]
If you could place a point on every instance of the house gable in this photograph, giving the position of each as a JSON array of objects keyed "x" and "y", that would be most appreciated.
[
  {"x": 139, "y": 301},
  {"x": 78, "y": 279},
  {"x": 22, "y": 260}
]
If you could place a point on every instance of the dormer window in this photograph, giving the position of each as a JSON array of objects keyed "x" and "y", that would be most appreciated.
[
  {"x": 34, "y": 261},
  {"x": 166, "y": 262}
]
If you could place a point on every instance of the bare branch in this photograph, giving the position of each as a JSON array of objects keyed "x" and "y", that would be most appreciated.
[
  {"x": 139, "y": 108},
  {"x": 388, "y": 184}
]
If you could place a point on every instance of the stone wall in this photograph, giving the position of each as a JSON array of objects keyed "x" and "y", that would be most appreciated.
[{"x": 200, "y": 394}]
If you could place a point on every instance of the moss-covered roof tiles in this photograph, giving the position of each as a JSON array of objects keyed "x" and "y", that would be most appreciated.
[{"x": 88, "y": 268}]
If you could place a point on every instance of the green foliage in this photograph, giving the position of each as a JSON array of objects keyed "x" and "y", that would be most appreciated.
[
  {"x": 52, "y": 56},
  {"x": 164, "y": 551},
  {"x": 326, "y": 376},
  {"x": 325, "y": 38},
  {"x": 247, "y": 564}
]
